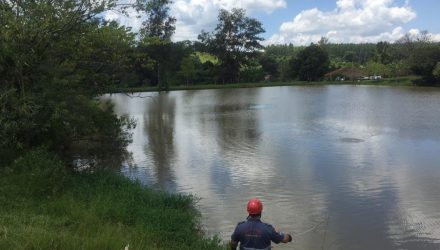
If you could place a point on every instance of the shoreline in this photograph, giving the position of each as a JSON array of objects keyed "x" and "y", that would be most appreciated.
[{"x": 397, "y": 82}]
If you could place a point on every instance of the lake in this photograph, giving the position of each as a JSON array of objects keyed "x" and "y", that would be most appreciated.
[{"x": 338, "y": 167}]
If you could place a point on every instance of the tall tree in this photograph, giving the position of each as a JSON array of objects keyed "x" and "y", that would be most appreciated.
[
  {"x": 188, "y": 68},
  {"x": 52, "y": 65},
  {"x": 423, "y": 61},
  {"x": 156, "y": 34},
  {"x": 235, "y": 41},
  {"x": 409, "y": 42},
  {"x": 269, "y": 65},
  {"x": 436, "y": 71},
  {"x": 32, "y": 30},
  {"x": 158, "y": 23},
  {"x": 382, "y": 54},
  {"x": 310, "y": 64}
]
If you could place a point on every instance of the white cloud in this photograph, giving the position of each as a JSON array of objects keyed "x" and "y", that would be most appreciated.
[
  {"x": 414, "y": 33},
  {"x": 351, "y": 21},
  {"x": 195, "y": 15},
  {"x": 129, "y": 19},
  {"x": 436, "y": 37}
]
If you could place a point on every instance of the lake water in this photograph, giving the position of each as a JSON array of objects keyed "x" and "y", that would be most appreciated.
[{"x": 338, "y": 167}]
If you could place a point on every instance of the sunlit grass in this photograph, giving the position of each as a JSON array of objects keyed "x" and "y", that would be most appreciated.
[{"x": 100, "y": 210}]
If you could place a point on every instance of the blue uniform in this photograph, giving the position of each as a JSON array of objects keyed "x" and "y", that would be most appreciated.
[{"x": 254, "y": 234}]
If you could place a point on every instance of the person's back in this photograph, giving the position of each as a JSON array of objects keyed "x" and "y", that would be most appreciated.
[{"x": 253, "y": 234}]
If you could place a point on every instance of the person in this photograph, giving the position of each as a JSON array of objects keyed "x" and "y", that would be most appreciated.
[{"x": 253, "y": 234}]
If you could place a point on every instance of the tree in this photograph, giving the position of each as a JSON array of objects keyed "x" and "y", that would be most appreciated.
[
  {"x": 349, "y": 56},
  {"x": 188, "y": 68},
  {"x": 235, "y": 41},
  {"x": 382, "y": 53},
  {"x": 159, "y": 23},
  {"x": 436, "y": 72},
  {"x": 324, "y": 43},
  {"x": 53, "y": 65},
  {"x": 409, "y": 42},
  {"x": 310, "y": 64},
  {"x": 156, "y": 34},
  {"x": 269, "y": 65},
  {"x": 378, "y": 69},
  {"x": 106, "y": 53},
  {"x": 423, "y": 62}
]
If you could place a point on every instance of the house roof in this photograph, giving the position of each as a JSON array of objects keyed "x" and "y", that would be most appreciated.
[{"x": 348, "y": 72}]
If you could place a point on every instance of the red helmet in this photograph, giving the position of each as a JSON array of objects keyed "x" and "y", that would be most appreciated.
[{"x": 254, "y": 206}]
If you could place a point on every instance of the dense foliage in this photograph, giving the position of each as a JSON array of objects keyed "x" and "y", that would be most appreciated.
[
  {"x": 310, "y": 64},
  {"x": 235, "y": 42},
  {"x": 155, "y": 36},
  {"x": 424, "y": 61},
  {"x": 56, "y": 57}
]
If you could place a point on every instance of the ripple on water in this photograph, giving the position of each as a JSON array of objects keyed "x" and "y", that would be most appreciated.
[{"x": 365, "y": 156}]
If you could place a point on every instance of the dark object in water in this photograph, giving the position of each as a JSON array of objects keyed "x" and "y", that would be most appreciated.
[{"x": 352, "y": 140}]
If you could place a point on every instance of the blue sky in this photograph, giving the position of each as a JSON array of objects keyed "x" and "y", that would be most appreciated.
[
  {"x": 304, "y": 21},
  {"x": 427, "y": 15}
]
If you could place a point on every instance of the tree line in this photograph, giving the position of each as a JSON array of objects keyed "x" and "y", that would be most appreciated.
[{"x": 58, "y": 56}]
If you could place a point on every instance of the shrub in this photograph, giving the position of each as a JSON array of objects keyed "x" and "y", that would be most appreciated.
[{"x": 37, "y": 174}]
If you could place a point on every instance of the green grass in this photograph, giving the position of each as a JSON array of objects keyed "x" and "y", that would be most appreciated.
[
  {"x": 45, "y": 206},
  {"x": 396, "y": 81}
]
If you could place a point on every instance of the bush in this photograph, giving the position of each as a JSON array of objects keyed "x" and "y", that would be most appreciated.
[
  {"x": 436, "y": 71},
  {"x": 252, "y": 74},
  {"x": 37, "y": 174},
  {"x": 423, "y": 62}
]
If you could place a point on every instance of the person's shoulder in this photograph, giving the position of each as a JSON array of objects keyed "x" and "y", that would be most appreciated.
[
  {"x": 240, "y": 226},
  {"x": 268, "y": 225},
  {"x": 240, "y": 223}
]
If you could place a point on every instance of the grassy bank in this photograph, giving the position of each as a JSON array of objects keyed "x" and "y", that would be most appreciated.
[
  {"x": 45, "y": 206},
  {"x": 396, "y": 81}
]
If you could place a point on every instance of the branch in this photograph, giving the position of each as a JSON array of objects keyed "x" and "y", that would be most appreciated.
[{"x": 138, "y": 95}]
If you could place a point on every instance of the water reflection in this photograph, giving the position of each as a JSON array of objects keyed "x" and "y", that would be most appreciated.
[
  {"x": 362, "y": 163},
  {"x": 159, "y": 122}
]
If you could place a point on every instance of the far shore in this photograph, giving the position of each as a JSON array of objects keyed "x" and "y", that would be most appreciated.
[{"x": 396, "y": 81}]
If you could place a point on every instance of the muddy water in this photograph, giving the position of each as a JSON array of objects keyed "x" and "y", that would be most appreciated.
[{"x": 339, "y": 167}]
